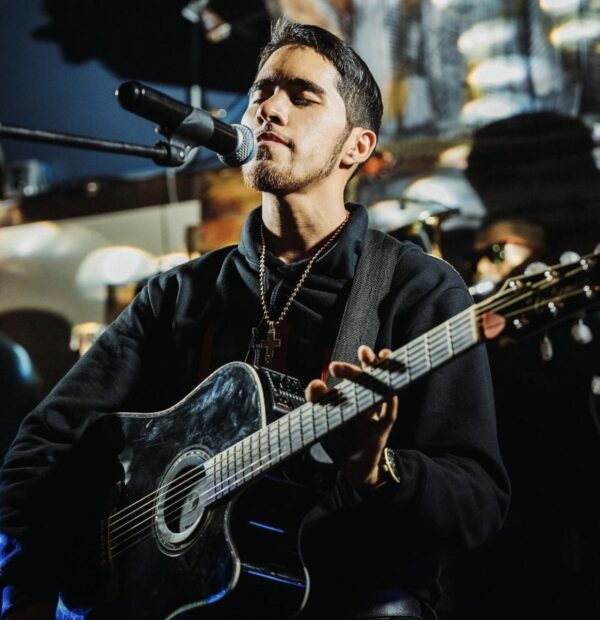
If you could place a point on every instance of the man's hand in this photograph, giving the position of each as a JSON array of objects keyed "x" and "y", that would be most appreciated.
[{"x": 357, "y": 448}]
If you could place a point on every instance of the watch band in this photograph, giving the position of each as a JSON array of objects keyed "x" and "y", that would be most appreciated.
[{"x": 390, "y": 466}]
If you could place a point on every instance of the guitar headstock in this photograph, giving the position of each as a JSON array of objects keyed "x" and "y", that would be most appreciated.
[{"x": 534, "y": 301}]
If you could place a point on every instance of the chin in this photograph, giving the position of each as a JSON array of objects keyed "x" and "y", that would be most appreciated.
[{"x": 266, "y": 176}]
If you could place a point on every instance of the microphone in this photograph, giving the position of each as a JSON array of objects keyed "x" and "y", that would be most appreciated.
[{"x": 187, "y": 126}]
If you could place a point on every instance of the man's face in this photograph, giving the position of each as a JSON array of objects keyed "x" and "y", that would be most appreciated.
[{"x": 299, "y": 119}]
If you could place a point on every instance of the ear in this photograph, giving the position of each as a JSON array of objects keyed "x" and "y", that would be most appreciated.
[{"x": 358, "y": 147}]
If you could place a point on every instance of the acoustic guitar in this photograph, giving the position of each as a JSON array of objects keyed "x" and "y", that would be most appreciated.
[{"x": 204, "y": 528}]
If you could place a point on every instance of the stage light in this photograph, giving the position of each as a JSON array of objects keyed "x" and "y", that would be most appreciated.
[
  {"x": 513, "y": 71},
  {"x": 560, "y": 7},
  {"x": 499, "y": 72},
  {"x": 114, "y": 265},
  {"x": 493, "y": 107},
  {"x": 576, "y": 32},
  {"x": 480, "y": 39},
  {"x": 455, "y": 157}
]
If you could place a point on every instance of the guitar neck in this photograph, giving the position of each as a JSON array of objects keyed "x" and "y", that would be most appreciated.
[{"x": 306, "y": 425}]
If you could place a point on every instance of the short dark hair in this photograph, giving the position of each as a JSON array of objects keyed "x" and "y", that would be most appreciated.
[{"x": 357, "y": 86}]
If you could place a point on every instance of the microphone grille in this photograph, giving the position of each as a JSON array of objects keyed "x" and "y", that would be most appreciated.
[{"x": 245, "y": 149}]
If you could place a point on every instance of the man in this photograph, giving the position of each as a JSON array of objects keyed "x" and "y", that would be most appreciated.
[{"x": 373, "y": 546}]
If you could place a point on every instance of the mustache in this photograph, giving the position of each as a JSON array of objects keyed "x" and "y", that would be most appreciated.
[{"x": 267, "y": 131}]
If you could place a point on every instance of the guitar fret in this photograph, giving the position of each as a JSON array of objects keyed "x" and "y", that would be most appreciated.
[
  {"x": 308, "y": 431},
  {"x": 334, "y": 416},
  {"x": 440, "y": 349},
  {"x": 348, "y": 403},
  {"x": 238, "y": 459},
  {"x": 285, "y": 441},
  {"x": 279, "y": 424},
  {"x": 234, "y": 465},
  {"x": 255, "y": 448},
  {"x": 448, "y": 325},
  {"x": 427, "y": 351},
  {"x": 290, "y": 421},
  {"x": 296, "y": 443},
  {"x": 216, "y": 473},
  {"x": 401, "y": 379},
  {"x": 227, "y": 481},
  {"x": 223, "y": 471},
  {"x": 273, "y": 442},
  {"x": 464, "y": 342},
  {"x": 264, "y": 445},
  {"x": 320, "y": 421}
]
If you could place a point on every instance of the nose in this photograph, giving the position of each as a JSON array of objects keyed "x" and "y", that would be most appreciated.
[{"x": 273, "y": 109}]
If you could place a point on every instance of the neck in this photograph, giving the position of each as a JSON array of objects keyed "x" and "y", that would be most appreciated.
[{"x": 295, "y": 226}]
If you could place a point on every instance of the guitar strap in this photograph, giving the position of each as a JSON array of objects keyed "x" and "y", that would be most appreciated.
[
  {"x": 361, "y": 320},
  {"x": 372, "y": 280}
]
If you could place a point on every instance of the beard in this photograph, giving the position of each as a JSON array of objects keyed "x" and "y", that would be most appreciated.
[{"x": 264, "y": 175}]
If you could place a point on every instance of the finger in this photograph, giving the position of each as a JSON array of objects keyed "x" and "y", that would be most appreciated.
[
  {"x": 393, "y": 409},
  {"x": 384, "y": 353},
  {"x": 379, "y": 414},
  {"x": 315, "y": 389},
  {"x": 366, "y": 356},
  {"x": 387, "y": 412},
  {"x": 343, "y": 370}
]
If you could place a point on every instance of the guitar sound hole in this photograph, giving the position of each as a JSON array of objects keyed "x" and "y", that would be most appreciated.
[{"x": 183, "y": 500}]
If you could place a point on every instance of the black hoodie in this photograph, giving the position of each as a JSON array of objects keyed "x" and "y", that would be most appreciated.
[{"x": 454, "y": 490}]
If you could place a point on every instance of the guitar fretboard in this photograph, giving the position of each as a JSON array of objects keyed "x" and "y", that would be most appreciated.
[{"x": 309, "y": 423}]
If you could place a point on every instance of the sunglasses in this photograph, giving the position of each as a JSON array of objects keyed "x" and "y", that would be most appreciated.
[{"x": 496, "y": 252}]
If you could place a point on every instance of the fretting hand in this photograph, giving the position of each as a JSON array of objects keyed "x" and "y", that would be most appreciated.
[{"x": 357, "y": 448}]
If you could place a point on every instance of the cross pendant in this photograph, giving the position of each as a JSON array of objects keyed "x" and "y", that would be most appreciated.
[{"x": 269, "y": 345}]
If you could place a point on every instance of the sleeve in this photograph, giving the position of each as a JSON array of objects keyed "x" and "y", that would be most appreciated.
[
  {"x": 454, "y": 486},
  {"x": 30, "y": 497}
]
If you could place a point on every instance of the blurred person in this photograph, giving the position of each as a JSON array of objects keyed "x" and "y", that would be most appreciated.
[{"x": 536, "y": 176}]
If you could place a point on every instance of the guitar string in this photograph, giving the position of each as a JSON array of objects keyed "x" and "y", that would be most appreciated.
[
  {"x": 534, "y": 306},
  {"x": 478, "y": 313},
  {"x": 129, "y": 542},
  {"x": 240, "y": 476},
  {"x": 135, "y": 535},
  {"x": 206, "y": 470},
  {"x": 115, "y": 552},
  {"x": 433, "y": 344},
  {"x": 223, "y": 486}
]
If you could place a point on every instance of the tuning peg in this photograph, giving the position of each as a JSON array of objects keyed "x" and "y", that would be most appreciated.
[
  {"x": 546, "y": 348},
  {"x": 581, "y": 332},
  {"x": 535, "y": 267},
  {"x": 569, "y": 257},
  {"x": 482, "y": 288}
]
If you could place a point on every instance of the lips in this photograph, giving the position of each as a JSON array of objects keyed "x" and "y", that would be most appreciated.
[{"x": 269, "y": 136}]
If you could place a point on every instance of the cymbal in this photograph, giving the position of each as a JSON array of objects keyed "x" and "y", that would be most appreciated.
[{"x": 390, "y": 215}]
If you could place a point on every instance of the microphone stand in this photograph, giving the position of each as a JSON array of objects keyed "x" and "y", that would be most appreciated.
[{"x": 169, "y": 153}]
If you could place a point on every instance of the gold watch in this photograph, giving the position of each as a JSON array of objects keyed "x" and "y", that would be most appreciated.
[{"x": 390, "y": 466}]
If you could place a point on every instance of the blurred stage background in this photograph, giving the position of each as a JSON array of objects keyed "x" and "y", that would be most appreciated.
[{"x": 490, "y": 144}]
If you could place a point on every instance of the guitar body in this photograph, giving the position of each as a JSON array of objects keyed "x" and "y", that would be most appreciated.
[{"x": 167, "y": 554}]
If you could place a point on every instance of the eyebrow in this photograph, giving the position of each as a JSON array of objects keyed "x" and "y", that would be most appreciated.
[{"x": 296, "y": 82}]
